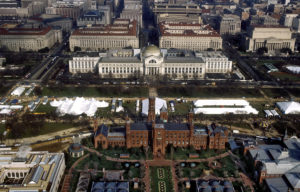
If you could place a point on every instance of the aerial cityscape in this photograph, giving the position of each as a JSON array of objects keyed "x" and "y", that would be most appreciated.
[{"x": 149, "y": 96}]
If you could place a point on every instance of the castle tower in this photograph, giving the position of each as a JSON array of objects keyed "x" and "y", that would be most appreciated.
[
  {"x": 164, "y": 114},
  {"x": 128, "y": 140},
  {"x": 151, "y": 111},
  {"x": 191, "y": 125},
  {"x": 95, "y": 125},
  {"x": 159, "y": 146}
]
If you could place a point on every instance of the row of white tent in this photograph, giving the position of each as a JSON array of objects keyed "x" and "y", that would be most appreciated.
[
  {"x": 271, "y": 113},
  {"x": 18, "y": 91},
  {"x": 14, "y": 107},
  {"x": 289, "y": 107},
  {"x": 216, "y": 106}
]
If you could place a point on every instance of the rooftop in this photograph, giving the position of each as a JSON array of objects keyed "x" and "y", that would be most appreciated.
[
  {"x": 119, "y": 28},
  {"x": 40, "y": 168},
  {"x": 186, "y": 29}
]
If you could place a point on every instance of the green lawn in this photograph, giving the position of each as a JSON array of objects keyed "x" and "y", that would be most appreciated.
[
  {"x": 130, "y": 107},
  {"x": 2, "y": 128},
  {"x": 274, "y": 62},
  {"x": 193, "y": 91},
  {"x": 228, "y": 166},
  {"x": 109, "y": 91},
  {"x": 276, "y": 92},
  {"x": 95, "y": 162},
  {"x": 295, "y": 92},
  {"x": 45, "y": 108},
  {"x": 181, "y": 108},
  {"x": 193, "y": 172},
  {"x": 283, "y": 76},
  {"x": 3, "y": 90},
  {"x": 135, "y": 153},
  {"x": 166, "y": 178},
  {"x": 244, "y": 125},
  {"x": 260, "y": 107},
  {"x": 46, "y": 129},
  {"x": 181, "y": 153}
]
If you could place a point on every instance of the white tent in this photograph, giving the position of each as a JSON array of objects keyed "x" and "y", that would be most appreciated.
[
  {"x": 11, "y": 106},
  {"x": 289, "y": 107},
  {"x": 226, "y": 110},
  {"x": 159, "y": 103},
  {"x": 78, "y": 106},
  {"x": 293, "y": 68},
  {"x": 220, "y": 102},
  {"x": 5, "y": 111},
  {"x": 268, "y": 113},
  {"x": 215, "y": 106},
  {"x": 18, "y": 91}
]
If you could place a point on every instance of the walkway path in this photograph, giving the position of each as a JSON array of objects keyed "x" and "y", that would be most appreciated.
[
  {"x": 157, "y": 162},
  {"x": 68, "y": 177},
  {"x": 209, "y": 159}
]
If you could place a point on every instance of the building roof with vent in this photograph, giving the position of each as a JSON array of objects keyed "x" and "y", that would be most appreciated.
[
  {"x": 102, "y": 129},
  {"x": 40, "y": 169}
]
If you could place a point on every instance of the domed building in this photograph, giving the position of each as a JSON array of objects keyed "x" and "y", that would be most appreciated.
[
  {"x": 152, "y": 61},
  {"x": 76, "y": 150},
  {"x": 151, "y": 50}
]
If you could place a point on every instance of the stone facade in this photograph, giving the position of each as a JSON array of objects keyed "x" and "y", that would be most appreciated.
[
  {"x": 123, "y": 33},
  {"x": 177, "y": 64},
  {"x": 26, "y": 39},
  {"x": 133, "y": 12},
  {"x": 93, "y": 17},
  {"x": 158, "y": 133},
  {"x": 215, "y": 62},
  {"x": 229, "y": 24},
  {"x": 195, "y": 37},
  {"x": 37, "y": 170},
  {"x": 272, "y": 37}
]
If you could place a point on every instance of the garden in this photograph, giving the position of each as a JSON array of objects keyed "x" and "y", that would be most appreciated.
[{"x": 161, "y": 179}]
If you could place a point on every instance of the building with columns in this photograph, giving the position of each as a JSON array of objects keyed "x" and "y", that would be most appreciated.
[
  {"x": 35, "y": 171},
  {"x": 229, "y": 24},
  {"x": 133, "y": 11},
  {"x": 273, "y": 38},
  {"x": 152, "y": 61},
  {"x": 195, "y": 37},
  {"x": 157, "y": 133},
  {"x": 122, "y": 33},
  {"x": 26, "y": 39}
]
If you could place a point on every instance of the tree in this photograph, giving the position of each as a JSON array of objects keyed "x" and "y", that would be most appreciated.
[
  {"x": 195, "y": 76},
  {"x": 77, "y": 48},
  {"x": 174, "y": 76},
  {"x": 185, "y": 76},
  {"x": 172, "y": 152},
  {"x": 38, "y": 91},
  {"x": 262, "y": 50},
  {"x": 44, "y": 50},
  {"x": 286, "y": 50}
]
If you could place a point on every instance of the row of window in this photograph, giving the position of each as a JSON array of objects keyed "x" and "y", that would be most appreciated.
[
  {"x": 119, "y": 69},
  {"x": 218, "y": 65},
  {"x": 183, "y": 70}
]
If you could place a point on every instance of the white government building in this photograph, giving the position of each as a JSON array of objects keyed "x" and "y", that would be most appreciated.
[
  {"x": 122, "y": 33},
  {"x": 26, "y": 39},
  {"x": 196, "y": 37},
  {"x": 29, "y": 171},
  {"x": 272, "y": 37},
  {"x": 152, "y": 61}
]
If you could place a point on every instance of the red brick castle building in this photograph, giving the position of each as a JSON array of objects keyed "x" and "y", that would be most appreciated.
[{"x": 158, "y": 133}]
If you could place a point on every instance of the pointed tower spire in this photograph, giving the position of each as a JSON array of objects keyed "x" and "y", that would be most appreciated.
[{"x": 285, "y": 136}]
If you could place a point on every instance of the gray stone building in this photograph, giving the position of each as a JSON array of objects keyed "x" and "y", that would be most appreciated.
[
  {"x": 92, "y": 17},
  {"x": 229, "y": 24},
  {"x": 152, "y": 61},
  {"x": 274, "y": 38}
]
